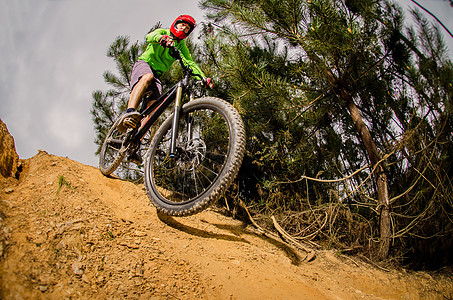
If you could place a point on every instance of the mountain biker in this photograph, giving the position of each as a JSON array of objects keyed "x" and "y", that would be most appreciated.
[{"x": 156, "y": 60}]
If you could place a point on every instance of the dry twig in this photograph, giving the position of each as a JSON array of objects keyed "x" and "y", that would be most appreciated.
[{"x": 310, "y": 252}]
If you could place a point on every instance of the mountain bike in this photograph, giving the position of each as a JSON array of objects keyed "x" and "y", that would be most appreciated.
[{"x": 194, "y": 155}]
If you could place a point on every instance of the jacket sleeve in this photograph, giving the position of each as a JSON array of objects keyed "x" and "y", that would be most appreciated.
[
  {"x": 187, "y": 59},
  {"x": 154, "y": 36}
]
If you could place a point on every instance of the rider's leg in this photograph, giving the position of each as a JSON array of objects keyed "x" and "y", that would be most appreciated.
[
  {"x": 139, "y": 90},
  {"x": 130, "y": 120}
]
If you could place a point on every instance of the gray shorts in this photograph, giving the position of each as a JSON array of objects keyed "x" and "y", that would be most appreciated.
[{"x": 141, "y": 68}]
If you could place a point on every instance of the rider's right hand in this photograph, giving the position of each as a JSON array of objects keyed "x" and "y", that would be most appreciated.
[
  {"x": 207, "y": 82},
  {"x": 166, "y": 41}
]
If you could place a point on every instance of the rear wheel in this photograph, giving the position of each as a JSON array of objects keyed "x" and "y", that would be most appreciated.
[
  {"x": 113, "y": 157},
  {"x": 209, "y": 150},
  {"x": 112, "y": 150}
]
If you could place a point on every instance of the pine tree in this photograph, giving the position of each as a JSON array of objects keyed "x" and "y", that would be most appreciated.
[{"x": 324, "y": 89}]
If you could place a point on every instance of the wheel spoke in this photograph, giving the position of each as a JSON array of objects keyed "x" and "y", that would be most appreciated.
[{"x": 114, "y": 141}]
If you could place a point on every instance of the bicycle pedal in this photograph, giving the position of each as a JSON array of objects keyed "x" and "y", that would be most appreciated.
[{"x": 121, "y": 128}]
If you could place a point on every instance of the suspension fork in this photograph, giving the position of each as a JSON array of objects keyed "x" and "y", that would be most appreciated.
[{"x": 176, "y": 113}]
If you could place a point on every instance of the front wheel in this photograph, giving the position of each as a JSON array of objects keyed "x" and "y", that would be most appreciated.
[{"x": 210, "y": 146}]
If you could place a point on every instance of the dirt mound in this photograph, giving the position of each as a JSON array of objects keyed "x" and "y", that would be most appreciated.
[
  {"x": 69, "y": 232},
  {"x": 8, "y": 155}
]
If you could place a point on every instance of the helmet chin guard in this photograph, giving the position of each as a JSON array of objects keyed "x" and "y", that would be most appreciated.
[{"x": 181, "y": 34}]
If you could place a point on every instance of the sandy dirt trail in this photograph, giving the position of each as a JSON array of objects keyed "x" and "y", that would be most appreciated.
[{"x": 68, "y": 232}]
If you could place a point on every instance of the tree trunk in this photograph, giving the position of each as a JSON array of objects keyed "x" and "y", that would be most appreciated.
[
  {"x": 380, "y": 176},
  {"x": 385, "y": 225},
  {"x": 373, "y": 154}
]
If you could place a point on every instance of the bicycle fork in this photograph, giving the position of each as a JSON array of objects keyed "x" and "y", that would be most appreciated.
[{"x": 175, "y": 125}]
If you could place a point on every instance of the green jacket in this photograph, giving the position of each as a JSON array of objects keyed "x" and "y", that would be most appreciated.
[{"x": 159, "y": 58}]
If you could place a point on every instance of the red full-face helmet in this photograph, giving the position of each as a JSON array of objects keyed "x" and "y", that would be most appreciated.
[{"x": 181, "y": 34}]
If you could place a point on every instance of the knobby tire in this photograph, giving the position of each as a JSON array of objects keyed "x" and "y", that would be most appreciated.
[
  {"x": 209, "y": 155},
  {"x": 111, "y": 156}
]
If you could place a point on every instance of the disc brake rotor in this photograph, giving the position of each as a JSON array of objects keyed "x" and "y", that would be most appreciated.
[{"x": 193, "y": 154}]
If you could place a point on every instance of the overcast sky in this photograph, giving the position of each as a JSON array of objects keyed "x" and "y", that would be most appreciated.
[{"x": 52, "y": 57}]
